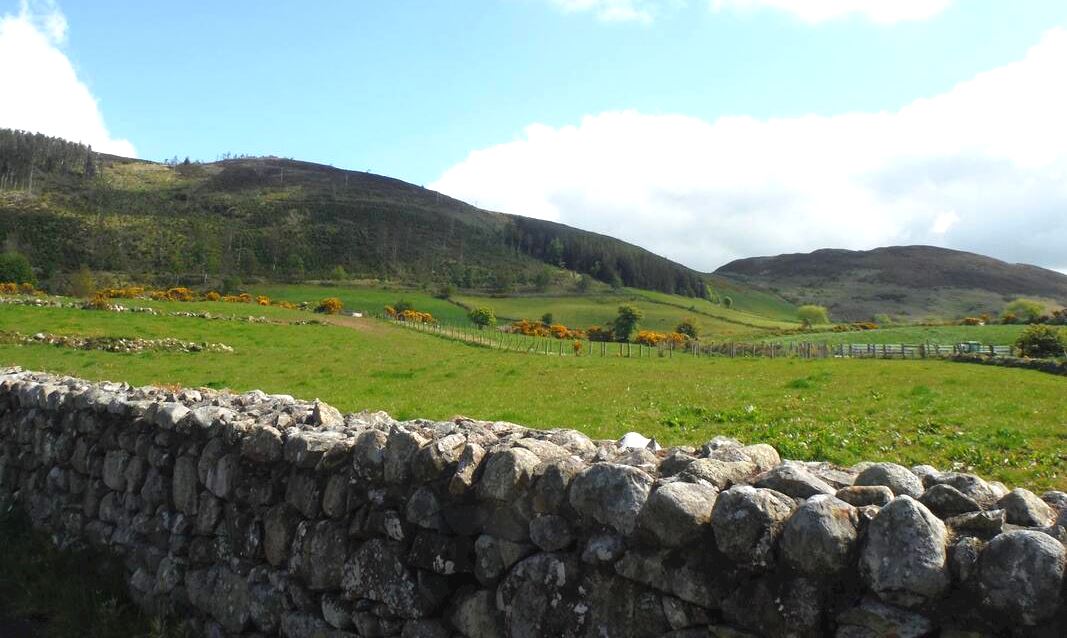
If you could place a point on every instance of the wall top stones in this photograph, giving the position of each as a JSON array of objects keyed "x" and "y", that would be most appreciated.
[{"x": 254, "y": 513}]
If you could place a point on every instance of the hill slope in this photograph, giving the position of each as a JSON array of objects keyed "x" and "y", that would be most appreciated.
[
  {"x": 65, "y": 206},
  {"x": 909, "y": 281}
]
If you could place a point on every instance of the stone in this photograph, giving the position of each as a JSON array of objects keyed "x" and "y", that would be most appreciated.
[
  {"x": 611, "y": 494},
  {"x": 222, "y": 477},
  {"x": 820, "y": 537},
  {"x": 445, "y": 555},
  {"x": 963, "y": 558},
  {"x": 368, "y": 455},
  {"x": 1021, "y": 575},
  {"x": 970, "y": 485},
  {"x": 262, "y": 445},
  {"x": 475, "y": 615},
  {"x": 303, "y": 493},
  {"x": 318, "y": 554},
  {"x": 776, "y": 607},
  {"x": 279, "y": 527},
  {"x": 1023, "y": 507},
  {"x": 720, "y": 474},
  {"x": 550, "y": 532},
  {"x": 764, "y": 456},
  {"x": 603, "y": 549},
  {"x": 425, "y": 629},
  {"x": 1056, "y": 499},
  {"x": 400, "y": 450},
  {"x": 539, "y": 597},
  {"x": 896, "y": 477},
  {"x": 792, "y": 480},
  {"x": 221, "y": 593},
  {"x": 306, "y": 449},
  {"x": 872, "y": 618},
  {"x": 170, "y": 415},
  {"x": 946, "y": 501},
  {"x": 494, "y": 556},
  {"x": 904, "y": 558},
  {"x": 466, "y": 474},
  {"x": 507, "y": 474},
  {"x": 747, "y": 522},
  {"x": 185, "y": 485},
  {"x": 985, "y": 523},
  {"x": 377, "y": 571},
  {"x": 549, "y": 492},
  {"x": 926, "y": 473},
  {"x": 678, "y": 513},
  {"x": 424, "y": 510},
  {"x": 325, "y": 415},
  {"x": 862, "y": 495},
  {"x": 114, "y": 469}
]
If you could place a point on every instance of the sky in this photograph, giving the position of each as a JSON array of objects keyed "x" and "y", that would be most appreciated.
[{"x": 704, "y": 130}]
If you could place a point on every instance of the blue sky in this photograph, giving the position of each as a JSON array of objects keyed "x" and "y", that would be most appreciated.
[{"x": 420, "y": 90}]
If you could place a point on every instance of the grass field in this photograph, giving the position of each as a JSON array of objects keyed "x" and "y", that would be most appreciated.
[
  {"x": 1004, "y": 423},
  {"x": 661, "y": 312},
  {"x": 943, "y": 335}
]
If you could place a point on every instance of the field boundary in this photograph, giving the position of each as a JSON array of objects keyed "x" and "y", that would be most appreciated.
[{"x": 502, "y": 340}]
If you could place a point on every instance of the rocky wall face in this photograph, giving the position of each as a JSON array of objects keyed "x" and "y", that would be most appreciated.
[{"x": 261, "y": 514}]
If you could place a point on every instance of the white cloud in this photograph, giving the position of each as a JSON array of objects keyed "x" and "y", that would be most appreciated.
[
  {"x": 981, "y": 167},
  {"x": 42, "y": 92},
  {"x": 615, "y": 10},
  {"x": 816, "y": 11}
]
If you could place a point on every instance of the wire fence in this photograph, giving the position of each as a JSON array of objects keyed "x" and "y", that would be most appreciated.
[{"x": 514, "y": 342}]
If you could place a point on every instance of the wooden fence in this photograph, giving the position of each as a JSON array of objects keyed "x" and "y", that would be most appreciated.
[{"x": 502, "y": 340}]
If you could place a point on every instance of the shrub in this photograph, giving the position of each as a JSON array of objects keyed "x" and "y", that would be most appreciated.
[
  {"x": 597, "y": 333},
  {"x": 81, "y": 283},
  {"x": 728, "y": 302},
  {"x": 626, "y": 322},
  {"x": 212, "y": 296},
  {"x": 688, "y": 328},
  {"x": 1026, "y": 310},
  {"x": 482, "y": 316},
  {"x": 98, "y": 302},
  {"x": 882, "y": 319},
  {"x": 14, "y": 267},
  {"x": 329, "y": 306},
  {"x": 577, "y": 347},
  {"x": 547, "y": 319},
  {"x": 812, "y": 315},
  {"x": 338, "y": 273},
  {"x": 1042, "y": 342},
  {"x": 1008, "y": 318},
  {"x": 263, "y": 301},
  {"x": 401, "y": 305},
  {"x": 415, "y": 316},
  {"x": 971, "y": 321},
  {"x": 445, "y": 291}
]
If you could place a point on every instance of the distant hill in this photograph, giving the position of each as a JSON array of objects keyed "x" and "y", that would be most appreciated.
[
  {"x": 66, "y": 206},
  {"x": 913, "y": 282}
]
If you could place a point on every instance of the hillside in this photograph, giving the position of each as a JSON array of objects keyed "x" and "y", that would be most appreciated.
[
  {"x": 280, "y": 219},
  {"x": 911, "y": 282}
]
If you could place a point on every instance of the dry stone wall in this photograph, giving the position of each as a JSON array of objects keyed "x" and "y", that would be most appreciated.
[{"x": 259, "y": 514}]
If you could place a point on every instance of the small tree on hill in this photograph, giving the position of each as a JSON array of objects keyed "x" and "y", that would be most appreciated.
[
  {"x": 626, "y": 322},
  {"x": 583, "y": 283},
  {"x": 542, "y": 279},
  {"x": 402, "y": 305},
  {"x": 811, "y": 315},
  {"x": 482, "y": 316},
  {"x": 1026, "y": 310},
  {"x": 82, "y": 283},
  {"x": 15, "y": 269},
  {"x": 688, "y": 328},
  {"x": 1042, "y": 342},
  {"x": 547, "y": 319},
  {"x": 338, "y": 273},
  {"x": 728, "y": 302}
]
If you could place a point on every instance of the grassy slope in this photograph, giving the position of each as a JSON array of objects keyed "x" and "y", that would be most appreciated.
[
  {"x": 661, "y": 312},
  {"x": 839, "y": 410},
  {"x": 944, "y": 335}
]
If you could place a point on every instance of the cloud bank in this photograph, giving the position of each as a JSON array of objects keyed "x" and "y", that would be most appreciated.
[
  {"x": 982, "y": 167},
  {"x": 42, "y": 92}
]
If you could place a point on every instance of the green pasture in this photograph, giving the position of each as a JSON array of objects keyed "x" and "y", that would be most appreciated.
[
  {"x": 996, "y": 335},
  {"x": 1007, "y": 424}
]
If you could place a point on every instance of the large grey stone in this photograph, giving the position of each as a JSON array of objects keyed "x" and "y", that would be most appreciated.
[
  {"x": 221, "y": 593},
  {"x": 719, "y": 473},
  {"x": 507, "y": 474},
  {"x": 896, "y": 477},
  {"x": 1021, "y": 575},
  {"x": 874, "y": 619},
  {"x": 318, "y": 554},
  {"x": 678, "y": 512},
  {"x": 262, "y": 445},
  {"x": 1023, "y": 507},
  {"x": 904, "y": 559},
  {"x": 611, "y": 494},
  {"x": 792, "y": 480},
  {"x": 747, "y": 522},
  {"x": 820, "y": 537},
  {"x": 377, "y": 571},
  {"x": 946, "y": 501},
  {"x": 862, "y": 495}
]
